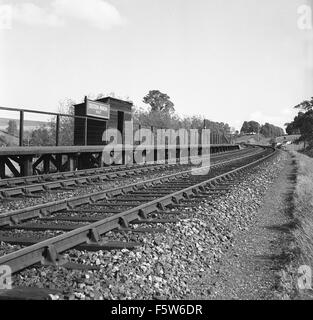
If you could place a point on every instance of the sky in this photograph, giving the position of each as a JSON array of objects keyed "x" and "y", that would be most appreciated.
[{"x": 227, "y": 60}]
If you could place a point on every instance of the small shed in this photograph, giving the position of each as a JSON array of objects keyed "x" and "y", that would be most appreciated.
[{"x": 102, "y": 114}]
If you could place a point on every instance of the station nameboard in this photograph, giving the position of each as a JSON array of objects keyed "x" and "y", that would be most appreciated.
[{"x": 98, "y": 109}]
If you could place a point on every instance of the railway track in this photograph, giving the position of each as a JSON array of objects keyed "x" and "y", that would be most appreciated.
[
  {"x": 84, "y": 220},
  {"x": 30, "y": 186}
]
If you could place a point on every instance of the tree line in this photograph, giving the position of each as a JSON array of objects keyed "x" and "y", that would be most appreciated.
[
  {"x": 160, "y": 113},
  {"x": 303, "y": 123},
  {"x": 267, "y": 130}
]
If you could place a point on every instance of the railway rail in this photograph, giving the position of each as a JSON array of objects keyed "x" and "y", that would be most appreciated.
[
  {"x": 84, "y": 220},
  {"x": 30, "y": 186}
]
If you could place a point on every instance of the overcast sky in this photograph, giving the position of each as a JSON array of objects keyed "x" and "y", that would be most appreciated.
[{"x": 228, "y": 60}]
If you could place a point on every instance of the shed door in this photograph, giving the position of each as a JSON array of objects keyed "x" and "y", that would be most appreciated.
[{"x": 120, "y": 124}]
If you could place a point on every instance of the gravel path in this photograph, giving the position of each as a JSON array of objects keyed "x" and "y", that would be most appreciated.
[{"x": 249, "y": 269}]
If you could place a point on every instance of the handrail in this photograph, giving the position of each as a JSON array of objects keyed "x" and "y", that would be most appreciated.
[{"x": 58, "y": 115}]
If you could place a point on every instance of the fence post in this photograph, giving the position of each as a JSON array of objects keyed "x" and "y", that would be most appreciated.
[
  {"x": 86, "y": 131},
  {"x": 21, "y": 135},
  {"x": 152, "y": 144},
  {"x": 139, "y": 128},
  {"x": 57, "y": 129}
]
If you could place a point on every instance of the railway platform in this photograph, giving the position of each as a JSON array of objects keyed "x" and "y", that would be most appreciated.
[{"x": 25, "y": 161}]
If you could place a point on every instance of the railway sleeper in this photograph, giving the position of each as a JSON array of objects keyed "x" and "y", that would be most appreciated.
[
  {"x": 102, "y": 245},
  {"x": 31, "y": 195},
  {"x": 28, "y": 293},
  {"x": 92, "y": 211},
  {"x": 11, "y": 193},
  {"x": 148, "y": 193},
  {"x": 176, "y": 187},
  {"x": 140, "y": 230},
  {"x": 213, "y": 192},
  {"x": 121, "y": 204},
  {"x": 203, "y": 195},
  {"x": 175, "y": 212},
  {"x": 167, "y": 188},
  {"x": 134, "y": 199},
  {"x": 51, "y": 186},
  {"x": 183, "y": 205}
]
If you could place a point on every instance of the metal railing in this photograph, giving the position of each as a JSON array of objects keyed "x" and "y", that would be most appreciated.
[
  {"x": 58, "y": 116},
  {"x": 215, "y": 137}
]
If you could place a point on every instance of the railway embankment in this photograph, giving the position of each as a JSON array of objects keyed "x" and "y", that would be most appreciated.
[
  {"x": 273, "y": 257},
  {"x": 251, "y": 268},
  {"x": 296, "y": 277}
]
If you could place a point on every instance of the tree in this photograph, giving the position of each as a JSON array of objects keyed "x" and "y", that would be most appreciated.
[
  {"x": 45, "y": 135},
  {"x": 66, "y": 129},
  {"x": 149, "y": 119},
  {"x": 173, "y": 121},
  {"x": 266, "y": 130},
  {"x": 42, "y": 137},
  {"x": 306, "y": 105},
  {"x": 159, "y": 102},
  {"x": 303, "y": 122},
  {"x": 3, "y": 142},
  {"x": 291, "y": 129},
  {"x": 12, "y": 128},
  {"x": 250, "y": 127},
  {"x": 254, "y": 127},
  {"x": 270, "y": 131},
  {"x": 245, "y": 127}
]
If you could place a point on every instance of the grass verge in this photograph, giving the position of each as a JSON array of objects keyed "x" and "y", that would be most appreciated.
[{"x": 300, "y": 247}]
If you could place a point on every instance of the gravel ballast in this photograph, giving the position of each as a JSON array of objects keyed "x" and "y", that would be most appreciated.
[
  {"x": 59, "y": 194},
  {"x": 170, "y": 265}
]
